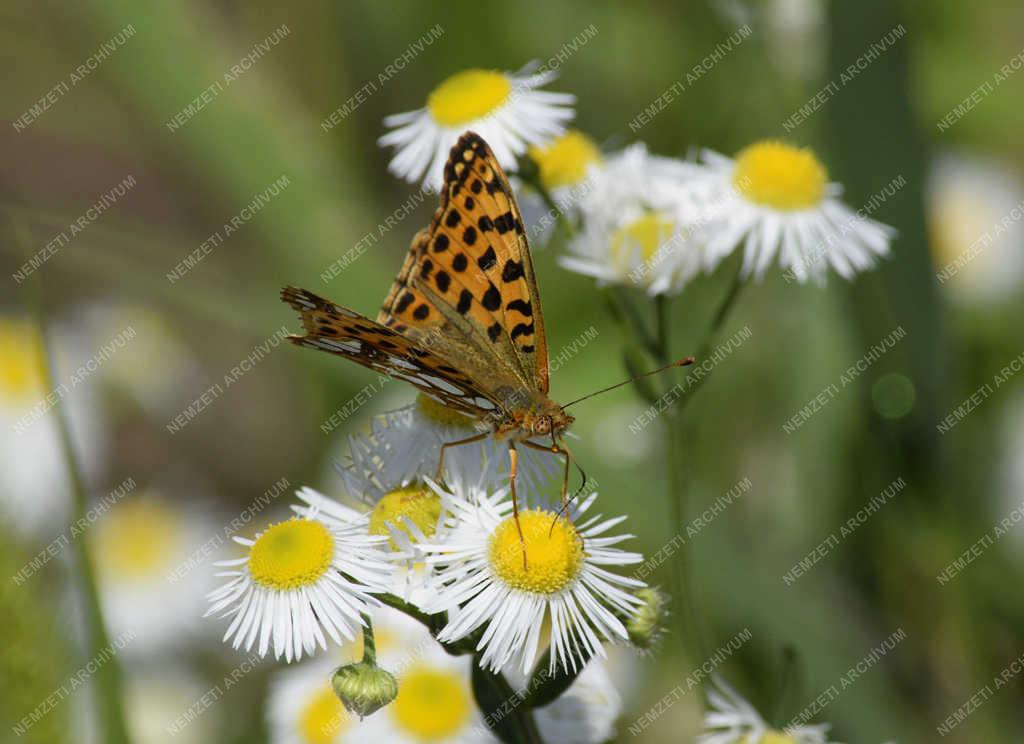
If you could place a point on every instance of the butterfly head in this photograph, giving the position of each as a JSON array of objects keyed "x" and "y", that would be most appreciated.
[{"x": 551, "y": 420}]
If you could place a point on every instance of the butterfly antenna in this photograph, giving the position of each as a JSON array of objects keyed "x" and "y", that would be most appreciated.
[{"x": 684, "y": 362}]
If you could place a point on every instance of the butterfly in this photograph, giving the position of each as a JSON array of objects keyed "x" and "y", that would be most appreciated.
[{"x": 462, "y": 321}]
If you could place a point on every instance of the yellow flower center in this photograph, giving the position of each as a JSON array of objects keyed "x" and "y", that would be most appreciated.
[
  {"x": 322, "y": 718},
  {"x": 20, "y": 378},
  {"x": 432, "y": 703},
  {"x": 564, "y": 161},
  {"x": 439, "y": 413},
  {"x": 771, "y": 737},
  {"x": 291, "y": 554},
  {"x": 137, "y": 539},
  {"x": 418, "y": 504},
  {"x": 779, "y": 175},
  {"x": 647, "y": 233},
  {"x": 467, "y": 96},
  {"x": 554, "y": 552}
]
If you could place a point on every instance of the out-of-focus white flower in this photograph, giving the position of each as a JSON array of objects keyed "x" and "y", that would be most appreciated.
[
  {"x": 643, "y": 225},
  {"x": 157, "y": 695},
  {"x": 563, "y": 167},
  {"x": 976, "y": 226},
  {"x": 732, "y": 720},
  {"x": 507, "y": 109},
  {"x": 404, "y": 447},
  {"x": 434, "y": 704},
  {"x": 35, "y": 492},
  {"x": 583, "y": 714},
  {"x": 143, "y": 544},
  {"x": 776, "y": 201},
  {"x": 301, "y": 578},
  {"x": 491, "y": 574}
]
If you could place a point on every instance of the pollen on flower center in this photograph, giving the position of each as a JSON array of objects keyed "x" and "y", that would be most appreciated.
[
  {"x": 467, "y": 96},
  {"x": 418, "y": 504},
  {"x": 291, "y": 554},
  {"x": 780, "y": 175},
  {"x": 440, "y": 413},
  {"x": 432, "y": 704},
  {"x": 554, "y": 552},
  {"x": 646, "y": 234},
  {"x": 564, "y": 161},
  {"x": 322, "y": 718}
]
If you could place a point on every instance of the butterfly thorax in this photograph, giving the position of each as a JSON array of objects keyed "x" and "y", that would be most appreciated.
[{"x": 543, "y": 418}]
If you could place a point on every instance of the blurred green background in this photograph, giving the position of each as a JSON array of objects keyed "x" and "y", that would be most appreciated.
[{"x": 192, "y": 179}]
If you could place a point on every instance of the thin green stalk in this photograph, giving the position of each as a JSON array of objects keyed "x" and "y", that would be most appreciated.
[
  {"x": 712, "y": 333},
  {"x": 108, "y": 674},
  {"x": 687, "y": 623},
  {"x": 369, "y": 642}
]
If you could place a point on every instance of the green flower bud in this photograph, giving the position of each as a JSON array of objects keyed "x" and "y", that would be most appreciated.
[
  {"x": 647, "y": 625},
  {"x": 364, "y": 687}
]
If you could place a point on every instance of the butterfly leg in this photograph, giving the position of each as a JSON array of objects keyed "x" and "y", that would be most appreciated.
[
  {"x": 513, "y": 469},
  {"x": 563, "y": 451},
  {"x": 456, "y": 443}
]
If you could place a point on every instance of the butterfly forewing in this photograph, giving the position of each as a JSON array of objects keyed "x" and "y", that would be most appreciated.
[
  {"x": 469, "y": 279},
  {"x": 339, "y": 330}
]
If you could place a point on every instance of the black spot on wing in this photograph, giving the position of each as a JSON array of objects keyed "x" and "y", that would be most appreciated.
[
  {"x": 403, "y": 303},
  {"x": 443, "y": 281},
  {"x": 503, "y": 223},
  {"x": 513, "y": 270},
  {"x": 521, "y": 306},
  {"x": 522, "y": 329},
  {"x": 494, "y": 331},
  {"x": 465, "y": 301},
  {"x": 421, "y": 312},
  {"x": 441, "y": 243},
  {"x": 460, "y": 262},
  {"x": 491, "y": 299},
  {"x": 488, "y": 259}
]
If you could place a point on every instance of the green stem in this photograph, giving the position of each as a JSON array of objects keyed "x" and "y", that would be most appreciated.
[
  {"x": 369, "y": 643},
  {"x": 108, "y": 675},
  {"x": 504, "y": 711},
  {"x": 689, "y": 638},
  {"x": 711, "y": 334}
]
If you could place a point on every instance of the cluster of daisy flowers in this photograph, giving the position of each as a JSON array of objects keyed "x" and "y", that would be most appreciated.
[
  {"x": 523, "y": 590},
  {"x": 637, "y": 218}
]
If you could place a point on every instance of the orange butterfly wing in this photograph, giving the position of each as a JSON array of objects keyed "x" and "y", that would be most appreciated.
[
  {"x": 469, "y": 278},
  {"x": 339, "y": 330}
]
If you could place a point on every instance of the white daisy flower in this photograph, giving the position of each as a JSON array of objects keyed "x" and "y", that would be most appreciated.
[
  {"x": 406, "y": 516},
  {"x": 434, "y": 704},
  {"x": 300, "y": 578},
  {"x": 732, "y": 720},
  {"x": 643, "y": 225},
  {"x": 563, "y": 587},
  {"x": 404, "y": 447},
  {"x": 776, "y": 200},
  {"x": 975, "y": 209},
  {"x": 506, "y": 109},
  {"x": 143, "y": 545}
]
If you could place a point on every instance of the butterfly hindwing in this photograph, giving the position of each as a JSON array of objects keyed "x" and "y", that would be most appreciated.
[
  {"x": 469, "y": 276},
  {"x": 339, "y": 330}
]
